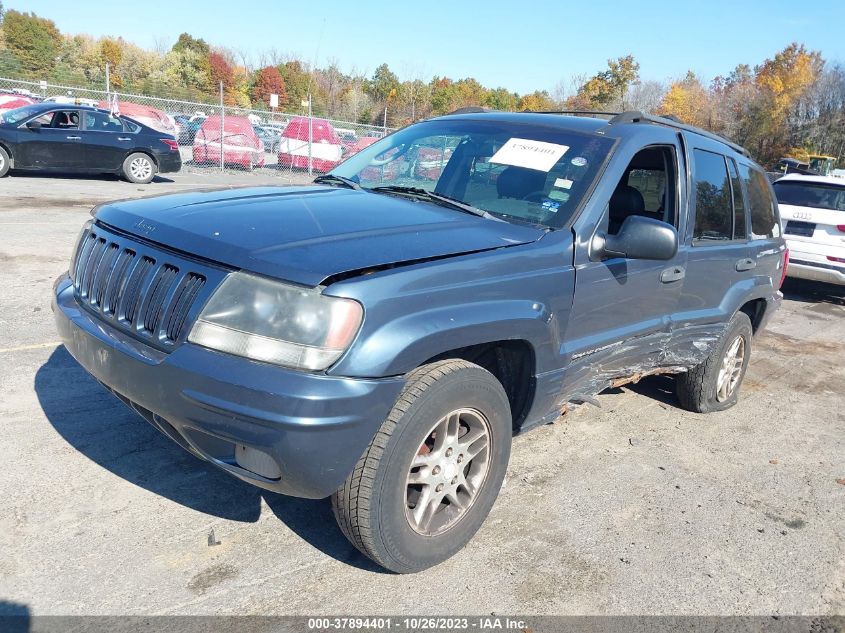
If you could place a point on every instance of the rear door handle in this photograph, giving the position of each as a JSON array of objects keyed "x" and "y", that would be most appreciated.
[
  {"x": 74, "y": 138},
  {"x": 745, "y": 264},
  {"x": 675, "y": 273},
  {"x": 123, "y": 138}
]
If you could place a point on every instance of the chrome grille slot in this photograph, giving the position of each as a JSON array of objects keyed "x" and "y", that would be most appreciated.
[
  {"x": 156, "y": 294},
  {"x": 136, "y": 288}
]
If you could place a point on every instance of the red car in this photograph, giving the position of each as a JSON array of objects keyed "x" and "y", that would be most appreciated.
[{"x": 241, "y": 145}]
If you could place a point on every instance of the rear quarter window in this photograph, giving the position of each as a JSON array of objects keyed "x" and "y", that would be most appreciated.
[{"x": 764, "y": 223}]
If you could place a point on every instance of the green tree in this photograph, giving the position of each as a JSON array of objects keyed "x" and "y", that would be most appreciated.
[
  {"x": 384, "y": 83},
  {"x": 297, "y": 83},
  {"x": 34, "y": 41},
  {"x": 502, "y": 99}
]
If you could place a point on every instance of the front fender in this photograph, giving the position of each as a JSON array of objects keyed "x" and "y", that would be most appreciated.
[
  {"x": 415, "y": 313},
  {"x": 402, "y": 344}
]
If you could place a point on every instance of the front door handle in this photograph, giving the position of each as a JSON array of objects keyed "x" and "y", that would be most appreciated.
[
  {"x": 123, "y": 138},
  {"x": 675, "y": 273},
  {"x": 745, "y": 264},
  {"x": 74, "y": 138}
]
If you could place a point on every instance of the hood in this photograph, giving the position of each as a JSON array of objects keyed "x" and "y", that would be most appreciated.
[{"x": 308, "y": 234}]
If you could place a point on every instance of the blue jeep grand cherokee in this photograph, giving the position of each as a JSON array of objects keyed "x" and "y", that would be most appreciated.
[{"x": 380, "y": 336}]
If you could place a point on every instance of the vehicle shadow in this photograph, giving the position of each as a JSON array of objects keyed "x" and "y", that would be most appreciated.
[
  {"x": 660, "y": 388},
  {"x": 102, "y": 428},
  {"x": 53, "y": 175},
  {"x": 815, "y": 292}
]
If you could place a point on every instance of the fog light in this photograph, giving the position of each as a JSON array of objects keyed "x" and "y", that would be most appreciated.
[{"x": 257, "y": 462}]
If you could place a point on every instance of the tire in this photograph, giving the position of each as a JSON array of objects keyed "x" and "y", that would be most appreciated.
[
  {"x": 139, "y": 168},
  {"x": 700, "y": 389},
  {"x": 377, "y": 506},
  {"x": 5, "y": 162}
]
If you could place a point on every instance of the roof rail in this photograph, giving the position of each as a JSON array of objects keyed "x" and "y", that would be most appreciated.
[
  {"x": 634, "y": 116},
  {"x": 575, "y": 112},
  {"x": 470, "y": 110}
]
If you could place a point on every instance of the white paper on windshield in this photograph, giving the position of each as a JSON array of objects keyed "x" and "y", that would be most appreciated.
[{"x": 521, "y": 152}]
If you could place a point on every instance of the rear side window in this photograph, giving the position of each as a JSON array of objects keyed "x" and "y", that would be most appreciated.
[
  {"x": 713, "y": 204},
  {"x": 739, "y": 202},
  {"x": 806, "y": 194},
  {"x": 763, "y": 218}
]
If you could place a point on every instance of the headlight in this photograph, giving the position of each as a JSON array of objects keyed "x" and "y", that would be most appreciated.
[{"x": 274, "y": 322}]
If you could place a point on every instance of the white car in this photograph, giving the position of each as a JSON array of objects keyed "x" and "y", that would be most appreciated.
[{"x": 812, "y": 210}]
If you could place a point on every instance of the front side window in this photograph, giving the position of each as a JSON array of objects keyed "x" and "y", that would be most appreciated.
[
  {"x": 713, "y": 198},
  {"x": 807, "y": 194},
  {"x": 764, "y": 222},
  {"x": 515, "y": 171}
]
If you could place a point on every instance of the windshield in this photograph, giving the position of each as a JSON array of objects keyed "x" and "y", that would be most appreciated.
[
  {"x": 519, "y": 172},
  {"x": 805, "y": 194},
  {"x": 19, "y": 114}
]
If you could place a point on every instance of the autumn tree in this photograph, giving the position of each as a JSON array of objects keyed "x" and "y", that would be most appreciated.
[
  {"x": 268, "y": 81},
  {"x": 688, "y": 101},
  {"x": 34, "y": 41},
  {"x": 609, "y": 87},
  {"x": 297, "y": 82},
  {"x": 537, "y": 101},
  {"x": 111, "y": 53}
]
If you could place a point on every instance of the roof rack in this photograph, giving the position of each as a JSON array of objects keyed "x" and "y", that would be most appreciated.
[
  {"x": 575, "y": 112},
  {"x": 634, "y": 116}
]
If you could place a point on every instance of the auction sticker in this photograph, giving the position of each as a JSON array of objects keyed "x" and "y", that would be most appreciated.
[
  {"x": 521, "y": 152},
  {"x": 579, "y": 161}
]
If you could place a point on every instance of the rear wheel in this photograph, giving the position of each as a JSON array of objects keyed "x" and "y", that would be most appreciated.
[
  {"x": 5, "y": 162},
  {"x": 714, "y": 384},
  {"x": 139, "y": 168},
  {"x": 431, "y": 474}
]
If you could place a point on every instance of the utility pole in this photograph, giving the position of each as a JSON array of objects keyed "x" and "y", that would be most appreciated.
[
  {"x": 222, "y": 126},
  {"x": 310, "y": 135}
]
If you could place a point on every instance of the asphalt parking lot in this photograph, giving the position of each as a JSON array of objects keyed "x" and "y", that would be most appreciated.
[{"x": 636, "y": 507}]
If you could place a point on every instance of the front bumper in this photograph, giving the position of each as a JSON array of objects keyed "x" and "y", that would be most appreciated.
[{"x": 313, "y": 427}]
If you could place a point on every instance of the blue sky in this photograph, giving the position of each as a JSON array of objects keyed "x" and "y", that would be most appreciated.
[{"x": 522, "y": 46}]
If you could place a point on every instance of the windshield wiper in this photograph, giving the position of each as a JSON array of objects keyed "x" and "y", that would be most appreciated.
[
  {"x": 332, "y": 179},
  {"x": 430, "y": 196}
]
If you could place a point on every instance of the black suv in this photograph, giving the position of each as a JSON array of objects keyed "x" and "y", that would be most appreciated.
[{"x": 379, "y": 337}]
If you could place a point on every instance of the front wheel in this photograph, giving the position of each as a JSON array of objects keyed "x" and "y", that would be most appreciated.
[
  {"x": 428, "y": 479},
  {"x": 714, "y": 384},
  {"x": 5, "y": 162},
  {"x": 139, "y": 168}
]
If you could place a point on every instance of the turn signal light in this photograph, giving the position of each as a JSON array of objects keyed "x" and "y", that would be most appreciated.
[{"x": 785, "y": 264}]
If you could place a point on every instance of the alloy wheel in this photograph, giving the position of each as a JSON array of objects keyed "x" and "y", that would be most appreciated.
[
  {"x": 731, "y": 369},
  {"x": 140, "y": 168},
  {"x": 447, "y": 471}
]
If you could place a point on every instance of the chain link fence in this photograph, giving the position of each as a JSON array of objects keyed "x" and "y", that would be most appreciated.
[{"x": 215, "y": 136}]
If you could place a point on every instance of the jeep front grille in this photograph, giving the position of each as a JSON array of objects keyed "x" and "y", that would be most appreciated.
[{"x": 136, "y": 288}]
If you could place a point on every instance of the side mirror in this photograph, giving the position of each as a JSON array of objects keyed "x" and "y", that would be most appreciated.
[
  {"x": 34, "y": 125},
  {"x": 638, "y": 238}
]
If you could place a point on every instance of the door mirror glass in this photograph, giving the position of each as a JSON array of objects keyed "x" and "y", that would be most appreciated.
[
  {"x": 34, "y": 125},
  {"x": 639, "y": 237}
]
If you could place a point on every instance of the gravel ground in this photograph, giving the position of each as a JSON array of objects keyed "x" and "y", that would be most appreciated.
[{"x": 636, "y": 507}]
